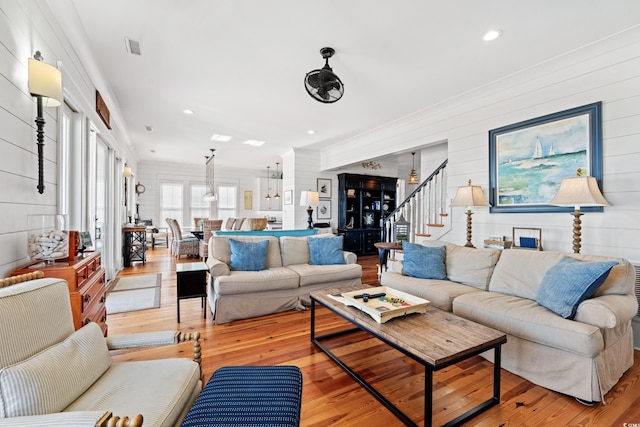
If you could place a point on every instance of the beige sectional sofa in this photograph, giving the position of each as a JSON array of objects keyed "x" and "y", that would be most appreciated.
[
  {"x": 284, "y": 285},
  {"x": 583, "y": 357}
]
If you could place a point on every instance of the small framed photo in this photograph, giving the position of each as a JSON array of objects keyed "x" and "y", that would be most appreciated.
[
  {"x": 324, "y": 209},
  {"x": 288, "y": 197},
  {"x": 527, "y": 238},
  {"x": 324, "y": 188}
]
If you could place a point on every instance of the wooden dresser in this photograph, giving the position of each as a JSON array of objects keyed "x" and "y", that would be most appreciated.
[{"x": 87, "y": 289}]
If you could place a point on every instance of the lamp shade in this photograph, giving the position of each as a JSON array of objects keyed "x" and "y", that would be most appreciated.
[
  {"x": 126, "y": 171},
  {"x": 46, "y": 81},
  {"x": 309, "y": 198},
  {"x": 579, "y": 191},
  {"x": 470, "y": 195}
]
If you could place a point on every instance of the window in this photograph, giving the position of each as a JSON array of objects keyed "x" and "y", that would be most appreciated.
[
  {"x": 171, "y": 201},
  {"x": 226, "y": 202},
  {"x": 199, "y": 207}
]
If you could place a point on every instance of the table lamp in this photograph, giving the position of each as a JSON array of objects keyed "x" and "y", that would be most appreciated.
[
  {"x": 311, "y": 199},
  {"x": 469, "y": 196},
  {"x": 578, "y": 191}
]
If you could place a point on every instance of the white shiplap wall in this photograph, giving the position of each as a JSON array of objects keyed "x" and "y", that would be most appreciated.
[
  {"x": 27, "y": 26},
  {"x": 607, "y": 71}
]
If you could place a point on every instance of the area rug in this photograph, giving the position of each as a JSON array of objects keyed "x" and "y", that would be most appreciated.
[{"x": 133, "y": 293}]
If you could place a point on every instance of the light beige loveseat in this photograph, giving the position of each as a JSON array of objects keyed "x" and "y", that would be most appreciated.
[
  {"x": 51, "y": 375},
  {"x": 583, "y": 357},
  {"x": 284, "y": 285}
]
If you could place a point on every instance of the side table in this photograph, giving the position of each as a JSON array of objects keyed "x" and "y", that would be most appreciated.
[
  {"x": 191, "y": 283},
  {"x": 383, "y": 250},
  {"x": 134, "y": 245}
]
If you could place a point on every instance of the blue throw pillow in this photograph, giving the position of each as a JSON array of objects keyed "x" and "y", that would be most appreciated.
[
  {"x": 423, "y": 261},
  {"x": 248, "y": 256},
  {"x": 325, "y": 250},
  {"x": 569, "y": 282}
]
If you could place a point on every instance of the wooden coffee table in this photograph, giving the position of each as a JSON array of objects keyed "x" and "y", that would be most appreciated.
[{"x": 436, "y": 339}]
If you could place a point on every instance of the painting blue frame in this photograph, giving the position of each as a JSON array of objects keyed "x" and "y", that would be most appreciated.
[{"x": 528, "y": 160}]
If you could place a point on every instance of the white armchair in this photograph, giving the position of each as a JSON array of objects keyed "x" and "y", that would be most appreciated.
[{"x": 53, "y": 375}]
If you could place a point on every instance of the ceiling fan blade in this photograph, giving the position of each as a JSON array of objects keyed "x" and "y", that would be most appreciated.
[
  {"x": 334, "y": 85},
  {"x": 313, "y": 80},
  {"x": 322, "y": 93}
]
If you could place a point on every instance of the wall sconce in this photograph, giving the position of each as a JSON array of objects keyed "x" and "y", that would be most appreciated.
[
  {"x": 413, "y": 176},
  {"x": 578, "y": 191},
  {"x": 126, "y": 171},
  {"x": 45, "y": 83},
  {"x": 469, "y": 195},
  {"x": 310, "y": 198}
]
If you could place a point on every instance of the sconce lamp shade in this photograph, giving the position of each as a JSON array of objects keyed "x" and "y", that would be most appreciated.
[
  {"x": 46, "y": 81},
  {"x": 309, "y": 198},
  {"x": 579, "y": 191},
  {"x": 126, "y": 172},
  {"x": 469, "y": 195}
]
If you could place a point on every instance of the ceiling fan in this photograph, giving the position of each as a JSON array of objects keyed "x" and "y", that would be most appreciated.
[{"x": 322, "y": 84}]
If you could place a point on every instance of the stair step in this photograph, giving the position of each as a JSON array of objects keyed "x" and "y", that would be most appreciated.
[
  {"x": 444, "y": 214},
  {"x": 423, "y": 235},
  {"x": 435, "y": 225}
]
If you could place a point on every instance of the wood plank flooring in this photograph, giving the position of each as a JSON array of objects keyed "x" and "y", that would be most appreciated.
[{"x": 331, "y": 397}]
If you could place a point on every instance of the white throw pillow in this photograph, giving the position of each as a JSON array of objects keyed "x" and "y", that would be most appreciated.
[{"x": 51, "y": 380}]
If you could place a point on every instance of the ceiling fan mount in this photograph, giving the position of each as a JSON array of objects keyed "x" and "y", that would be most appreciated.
[{"x": 323, "y": 84}]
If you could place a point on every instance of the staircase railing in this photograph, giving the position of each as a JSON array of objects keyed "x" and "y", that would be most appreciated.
[{"x": 423, "y": 208}]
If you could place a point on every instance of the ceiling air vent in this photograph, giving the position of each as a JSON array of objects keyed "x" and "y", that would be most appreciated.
[{"x": 133, "y": 46}]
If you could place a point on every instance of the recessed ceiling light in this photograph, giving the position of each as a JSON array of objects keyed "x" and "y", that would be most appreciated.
[
  {"x": 187, "y": 111},
  {"x": 220, "y": 138},
  {"x": 311, "y": 131},
  {"x": 492, "y": 35},
  {"x": 254, "y": 143}
]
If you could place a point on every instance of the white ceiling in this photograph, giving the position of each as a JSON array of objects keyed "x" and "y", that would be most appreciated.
[{"x": 239, "y": 64}]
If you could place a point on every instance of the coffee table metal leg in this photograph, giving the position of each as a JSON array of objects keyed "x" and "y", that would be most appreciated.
[
  {"x": 428, "y": 396},
  {"x": 496, "y": 373}
]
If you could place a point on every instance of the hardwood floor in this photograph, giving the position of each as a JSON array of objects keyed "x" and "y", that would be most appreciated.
[{"x": 331, "y": 397}]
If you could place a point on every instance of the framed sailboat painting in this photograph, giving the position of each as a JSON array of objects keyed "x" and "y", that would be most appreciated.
[{"x": 528, "y": 160}]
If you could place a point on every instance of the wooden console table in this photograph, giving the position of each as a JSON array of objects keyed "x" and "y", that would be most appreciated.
[{"x": 86, "y": 280}]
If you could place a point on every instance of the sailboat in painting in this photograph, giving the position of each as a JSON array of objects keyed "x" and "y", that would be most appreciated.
[{"x": 537, "y": 151}]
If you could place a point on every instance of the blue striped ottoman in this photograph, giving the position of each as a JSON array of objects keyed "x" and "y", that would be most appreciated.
[{"x": 238, "y": 396}]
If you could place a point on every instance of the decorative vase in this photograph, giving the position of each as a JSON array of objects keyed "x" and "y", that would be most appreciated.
[{"x": 48, "y": 237}]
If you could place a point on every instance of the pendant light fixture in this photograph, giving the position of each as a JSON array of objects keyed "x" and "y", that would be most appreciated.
[
  {"x": 277, "y": 196},
  {"x": 413, "y": 176},
  {"x": 268, "y": 184}
]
